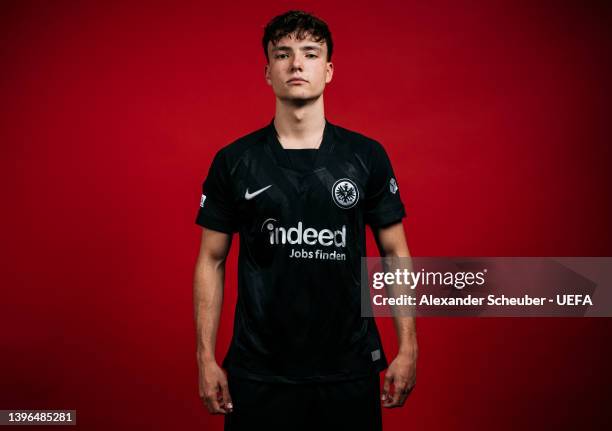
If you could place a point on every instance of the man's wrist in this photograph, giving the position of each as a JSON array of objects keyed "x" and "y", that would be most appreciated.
[
  {"x": 409, "y": 350},
  {"x": 206, "y": 357}
]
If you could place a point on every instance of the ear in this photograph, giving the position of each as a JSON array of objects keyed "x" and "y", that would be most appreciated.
[
  {"x": 329, "y": 72},
  {"x": 267, "y": 74}
]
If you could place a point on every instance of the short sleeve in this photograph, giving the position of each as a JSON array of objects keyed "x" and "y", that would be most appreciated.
[
  {"x": 383, "y": 204},
  {"x": 217, "y": 206}
]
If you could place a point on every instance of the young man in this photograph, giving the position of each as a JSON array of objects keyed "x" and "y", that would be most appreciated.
[{"x": 300, "y": 192}]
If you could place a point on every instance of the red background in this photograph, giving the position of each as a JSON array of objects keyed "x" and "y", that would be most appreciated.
[{"x": 496, "y": 117}]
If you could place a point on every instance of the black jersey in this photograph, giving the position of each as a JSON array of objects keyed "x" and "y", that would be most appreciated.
[{"x": 302, "y": 236}]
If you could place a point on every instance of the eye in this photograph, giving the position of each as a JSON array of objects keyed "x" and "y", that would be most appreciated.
[
  {"x": 280, "y": 56},
  {"x": 311, "y": 55}
]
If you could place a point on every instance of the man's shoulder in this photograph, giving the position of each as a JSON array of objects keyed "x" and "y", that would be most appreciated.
[
  {"x": 241, "y": 146},
  {"x": 358, "y": 142}
]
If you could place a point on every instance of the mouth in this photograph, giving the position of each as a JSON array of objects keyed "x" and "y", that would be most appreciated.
[{"x": 296, "y": 81}]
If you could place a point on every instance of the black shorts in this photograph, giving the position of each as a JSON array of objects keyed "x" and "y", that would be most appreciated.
[{"x": 351, "y": 405}]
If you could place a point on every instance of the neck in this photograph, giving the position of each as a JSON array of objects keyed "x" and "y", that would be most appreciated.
[{"x": 300, "y": 125}]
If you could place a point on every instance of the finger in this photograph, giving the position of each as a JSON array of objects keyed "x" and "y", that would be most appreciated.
[
  {"x": 204, "y": 399},
  {"x": 394, "y": 398},
  {"x": 386, "y": 388},
  {"x": 208, "y": 404},
  {"x": 212, "y": 400},
  {"x": 400, "y": 394},
  {"x": 403, "y": 394},
  {"x": 227, "y": 399},
  {"x": 390, "y": 402},
  {"x": 390, "y": 399}
]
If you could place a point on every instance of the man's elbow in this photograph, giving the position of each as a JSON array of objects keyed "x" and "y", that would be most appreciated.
[
  {"x": 395, "y": 251},
  {"x": 392, "y": 241}
]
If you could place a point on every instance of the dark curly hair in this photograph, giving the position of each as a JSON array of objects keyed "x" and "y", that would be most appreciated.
[{"x": 298, "y": 22}]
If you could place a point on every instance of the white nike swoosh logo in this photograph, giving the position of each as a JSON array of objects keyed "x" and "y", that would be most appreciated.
[{"x": 249, "y": 196}]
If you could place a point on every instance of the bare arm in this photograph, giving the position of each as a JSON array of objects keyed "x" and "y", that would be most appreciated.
[
  {"x": 391, "y": 241},
  {"x": 208, "y": 284}
]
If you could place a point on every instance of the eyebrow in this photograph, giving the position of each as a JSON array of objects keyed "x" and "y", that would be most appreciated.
[{"x": 302, "y": 48}]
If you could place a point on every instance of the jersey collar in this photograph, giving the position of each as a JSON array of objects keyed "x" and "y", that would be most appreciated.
[{"x": 281, "y": 156}]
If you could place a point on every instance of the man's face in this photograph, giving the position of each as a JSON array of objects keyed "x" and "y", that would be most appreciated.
[{"x": 298, "y": 69}]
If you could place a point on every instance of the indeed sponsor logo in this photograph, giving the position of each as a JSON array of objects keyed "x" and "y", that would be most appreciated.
[{"x": 300, "y": 235}]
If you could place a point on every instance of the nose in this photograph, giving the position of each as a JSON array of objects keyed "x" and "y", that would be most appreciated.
[{"x": 296, "y": 63}]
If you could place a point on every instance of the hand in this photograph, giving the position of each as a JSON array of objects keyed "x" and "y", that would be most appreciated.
[
  {"x": 214, "y": 390},
  {"x": 401, "y": 377}
]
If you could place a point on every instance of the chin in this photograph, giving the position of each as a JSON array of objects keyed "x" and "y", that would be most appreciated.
[{"x": 303, "y": 96}]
